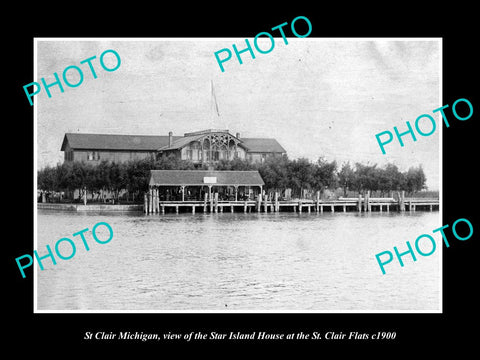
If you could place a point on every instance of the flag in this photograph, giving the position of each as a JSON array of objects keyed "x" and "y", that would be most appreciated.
[{"x": 214, "y": 100}]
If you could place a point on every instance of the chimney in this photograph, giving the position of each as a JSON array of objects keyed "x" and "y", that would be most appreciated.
[
  {"x": 238, "y": 135},
  {"x": 170, "y": 138}
]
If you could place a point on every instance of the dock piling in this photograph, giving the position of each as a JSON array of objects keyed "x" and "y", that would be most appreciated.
[
  {"x": 150, "y": 202},
  {"x": 401, "y": 200}
]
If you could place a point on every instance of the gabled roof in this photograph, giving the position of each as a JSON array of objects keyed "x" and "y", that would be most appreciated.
[
  {"x": 115, "y": 142},
  {"x": 80, "y": 141},
  {"x": 263, "y": 145},
  {"x": 181, "y": 142},
  {"x": 197, "y": 177}
]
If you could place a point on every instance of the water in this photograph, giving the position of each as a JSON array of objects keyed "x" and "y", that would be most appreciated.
[{"x": 256, "y": 261}]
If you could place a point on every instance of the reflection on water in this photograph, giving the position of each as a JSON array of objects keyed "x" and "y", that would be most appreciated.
[{"x": 256, "y": 261}]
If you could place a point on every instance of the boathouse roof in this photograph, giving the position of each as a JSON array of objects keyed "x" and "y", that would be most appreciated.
[{"x": 204, "y": 177}]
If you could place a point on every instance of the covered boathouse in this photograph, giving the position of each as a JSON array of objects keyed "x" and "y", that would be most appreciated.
[{"x": 201, "y": 188}]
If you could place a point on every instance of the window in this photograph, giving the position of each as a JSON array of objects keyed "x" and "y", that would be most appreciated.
[
  {"x": 93, "y": 155},
  {"x": 189, "y": 154}
]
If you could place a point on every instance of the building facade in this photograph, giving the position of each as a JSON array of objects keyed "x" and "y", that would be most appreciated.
[{"x": 201, "y": 147}]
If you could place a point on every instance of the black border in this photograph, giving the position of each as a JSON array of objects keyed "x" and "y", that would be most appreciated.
[{"x": 455, "y": 25}]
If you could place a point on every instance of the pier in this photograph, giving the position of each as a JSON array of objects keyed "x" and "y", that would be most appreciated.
[
  {"x": 211, "y": 191},
  {"x": 264, "y": 203}
]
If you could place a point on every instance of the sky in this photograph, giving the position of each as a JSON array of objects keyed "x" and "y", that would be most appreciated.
[{"x": 318, "y": 97}]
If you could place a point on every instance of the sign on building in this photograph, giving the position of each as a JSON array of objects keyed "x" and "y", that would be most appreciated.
[{"x": 210, "y": 180}]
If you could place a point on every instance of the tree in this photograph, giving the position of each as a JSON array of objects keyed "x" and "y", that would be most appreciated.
[
  {"x": 324, "y": 174},
  {"x": 235, "y": 164},
  {"x": 278, "y": 173},
  {"x": 301, "y": 175},
  {"x": 346, "y": 177},
  {"x": 394, "y": 179},
  {"x": 47, "y": 179},
  {"x": 102, "y": 176},
  {"x": 138, "y": 174},
  {"x": 118, "y": 178},
  {"x": 172, "y": 162},
  {"x": 70, "y": 176},
  {"x": 381, "y": 181},
  {"x": 366, "y": 177},
  {"x": 274, "y": 172},
  {"x": 415, "y": 179}
]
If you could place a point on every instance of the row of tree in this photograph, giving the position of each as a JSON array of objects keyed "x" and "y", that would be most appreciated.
[{"x": 278, "y": 173}]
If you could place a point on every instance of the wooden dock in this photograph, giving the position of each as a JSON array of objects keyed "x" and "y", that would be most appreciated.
[{"x": 152, "y": 205}]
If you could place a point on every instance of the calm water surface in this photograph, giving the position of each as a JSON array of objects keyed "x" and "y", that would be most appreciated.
[{"x": 273, "y": 261}]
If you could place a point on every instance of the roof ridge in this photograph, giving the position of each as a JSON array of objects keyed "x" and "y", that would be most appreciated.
[
  {"x": 157, "y": 142},
  {"x": 70, "y": 133}
]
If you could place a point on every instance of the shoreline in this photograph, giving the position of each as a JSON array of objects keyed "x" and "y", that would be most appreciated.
[
  {"x": 90, "y": 207},
  {"x": 344, "y": 205}
]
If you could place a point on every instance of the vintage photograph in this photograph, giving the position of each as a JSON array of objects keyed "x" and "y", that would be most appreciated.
[{"x": 164, "y": 184}]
